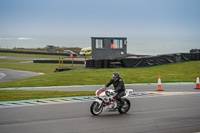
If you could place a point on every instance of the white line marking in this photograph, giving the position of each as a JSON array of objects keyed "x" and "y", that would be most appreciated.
[{"x": 2, "y": 75}]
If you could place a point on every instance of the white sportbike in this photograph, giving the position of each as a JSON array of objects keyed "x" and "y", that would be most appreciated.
[{"x": 105, "y": 101}]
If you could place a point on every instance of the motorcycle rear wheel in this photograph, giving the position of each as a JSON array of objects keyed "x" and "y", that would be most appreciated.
[
  {"x": 125, "y": 109},
  {"x": 96, "y": 108}
]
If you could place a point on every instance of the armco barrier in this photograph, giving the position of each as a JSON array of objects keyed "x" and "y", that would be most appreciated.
[
  {"x": 143, "y": 62},
  {"x": 31, "y": 52}
]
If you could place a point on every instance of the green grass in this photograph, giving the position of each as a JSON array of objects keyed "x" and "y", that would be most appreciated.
[
  {"x": 15, "y": 95},
  {"x": 175, "y": 72}
]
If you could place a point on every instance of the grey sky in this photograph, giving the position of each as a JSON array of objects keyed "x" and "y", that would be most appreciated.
[{"x": 100, "y": 17}]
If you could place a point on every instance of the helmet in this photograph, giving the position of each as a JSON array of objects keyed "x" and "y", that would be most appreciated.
[{"x": 115, "y": 76}]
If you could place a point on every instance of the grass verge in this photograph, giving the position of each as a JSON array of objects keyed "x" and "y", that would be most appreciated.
[
  {"x": 175, "y": 72},
  {"x": 15, "y": 95}
]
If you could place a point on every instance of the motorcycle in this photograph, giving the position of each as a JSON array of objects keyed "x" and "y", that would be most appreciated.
[{"x": 105, "y": 101}]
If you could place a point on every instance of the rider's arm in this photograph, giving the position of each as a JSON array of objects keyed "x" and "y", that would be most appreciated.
[{"x": 109, "y": 83}]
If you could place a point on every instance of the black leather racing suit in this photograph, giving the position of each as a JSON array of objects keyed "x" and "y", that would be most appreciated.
[{"x": 119, "y": 88}]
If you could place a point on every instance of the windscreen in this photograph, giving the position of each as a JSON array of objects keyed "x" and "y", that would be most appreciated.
[{"x": 103, "y": 89}]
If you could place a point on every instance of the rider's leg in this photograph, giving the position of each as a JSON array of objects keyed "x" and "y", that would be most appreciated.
[{"x": 118, "y": 97}]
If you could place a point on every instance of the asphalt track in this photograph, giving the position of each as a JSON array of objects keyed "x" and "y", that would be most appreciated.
[
  {"x": 10, "y": 74},
  {"x": 34, "y": 58},
  {"x": 156, "y": 114}
]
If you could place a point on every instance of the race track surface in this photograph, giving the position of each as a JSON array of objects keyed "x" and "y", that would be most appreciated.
[
  {"x": 10, "y": 74},
  {"x": 160, "y": 114}
]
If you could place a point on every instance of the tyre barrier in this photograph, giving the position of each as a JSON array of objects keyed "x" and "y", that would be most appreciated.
[{"x": 142, "y": 62}]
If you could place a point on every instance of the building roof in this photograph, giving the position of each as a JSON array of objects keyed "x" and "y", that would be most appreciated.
[{"x": 108, "y": 38}]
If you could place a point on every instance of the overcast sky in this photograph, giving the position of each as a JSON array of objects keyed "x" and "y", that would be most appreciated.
[{"x": 100, "y": 17}]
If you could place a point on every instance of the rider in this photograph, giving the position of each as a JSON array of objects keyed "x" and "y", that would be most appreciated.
[{"x": 118, "y": 86}]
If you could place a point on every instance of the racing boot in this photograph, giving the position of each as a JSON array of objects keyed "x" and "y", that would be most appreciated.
[{"x": 118, "y": 104}]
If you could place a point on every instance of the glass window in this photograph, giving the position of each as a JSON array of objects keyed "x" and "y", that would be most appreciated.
[
  {"x": 121, "y": 44},
  {"x": 116, "y": 44},
  {"x": 99, "y": 43}
]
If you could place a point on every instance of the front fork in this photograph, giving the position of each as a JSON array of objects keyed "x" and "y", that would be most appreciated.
[{"x": 99, "y": 101}]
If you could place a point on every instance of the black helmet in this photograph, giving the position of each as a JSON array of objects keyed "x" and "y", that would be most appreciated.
[{"x": 115, "y": 76}]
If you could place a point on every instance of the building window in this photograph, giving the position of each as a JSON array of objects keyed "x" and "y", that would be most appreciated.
[
  {"x": 116, "y": 44},
  {"x": 99, "y": 43}
]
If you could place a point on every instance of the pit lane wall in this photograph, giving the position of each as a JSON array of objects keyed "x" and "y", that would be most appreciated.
[{"x": 143, "y": 62}]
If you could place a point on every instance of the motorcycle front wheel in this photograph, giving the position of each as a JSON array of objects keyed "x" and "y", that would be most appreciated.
[
  {"x": 96, "y": 108},
  {"x": 125, "y": 108}
]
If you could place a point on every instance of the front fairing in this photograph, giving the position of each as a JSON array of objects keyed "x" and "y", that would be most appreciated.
[{"x": 102, "y": 92}]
